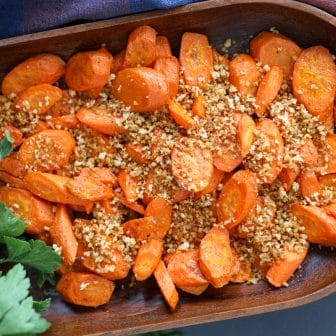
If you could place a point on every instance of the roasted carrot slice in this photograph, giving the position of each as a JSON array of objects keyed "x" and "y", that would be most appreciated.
[
  {"x": 52, "y": 187},
  {"x": 27, "y": 206},
  {"x": 88, "y": 70},
  {"x": 309, "y": 154},
  {"x": 237, "y": 198},
  {"x": 268, "y": 89},
  {"x": 220, "y": 59},
  {"x": 170, "y": 68},
  {"x": 13, "y": 166},
  {"x": 196, "y": 59},
  {"x": 102, "y": 174},
  {"x": 101, "y": 120},
  {"x": 88, "y": 188},
  {"x": 329, "y": 154},
  {"x": 288, "y": 176},
  {"x": 38, "y": 99},
  {"x": 314, "y": 82},
  {"x": 184, "y": 271},
  {"x": 135, "y": 206},
  {"x": 330, "y": 209},
  {"x": 15, "y": 134},
  {"x": 62, "y": 234},
  {"x": 118, "y": 62},
  {"x": 143, "y": 89},
  {"x": 191, "y": 165},
  {"x": 40, "y": 69},
  {"x": 64, "y": 122},
  {"x": 309, "y": 184},
  {"x": 244, "y": 272},
  {"x": 147, "y": 259},
  {"x": 161, "y": 213},
  {"x": 180, "y": 115},
  {"x": 47, "y": 150},
  {"x": 141, "y": 47},
  {"x": 162, "y": 47},
  {"x": 245, "y": 132},
  {"x": 275, "y": 49},
  {"x": 227, "y": 161},
  {"x": 85, "y": 289},
  {"x": 140, "y": 228},
  {"x": 328, "y": 180},
  {"x": 198, "y": 108},
  {"x": 215, "y": 257},
  {"x": 244, "y": 74},
  {"x": 11, "y": 180},
  {"x": 135, "y": 151},
  {"x": 63, "y": 106},
  {"x": 166, "y": 285},
  {"x": 319, "y": 226},
  {"x": 128, "y": 185},
  {"x": 280, "y": 272},
  {"x": 216, "y": 179}
]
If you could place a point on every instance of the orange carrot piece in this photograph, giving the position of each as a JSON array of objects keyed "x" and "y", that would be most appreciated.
[
  {"x": 47, "y": 150},
  {"x": 143, "y": 89},
  {"x": 11, "y": 180},
  {"x": 215, "y": 257},
  {"x": 275, "y": 49},
  {"x": 63, "y": 106},
  {"x": 196, "y": 59},
  {"x": 227, "y": 161},
  {"x": 245, "y": 132},
  {"x": 64, "y": 122},
  {"x": 244, "y": 74},
  {"x": 309, "y": 184},
  {"x": 328, "y": 180},
  {"x": 244, "y": 272},
  {"x": 135, "y": 151},
  {"x": 161, "y": 213},
  {"x": 141, "y": 47},
  {"x": 220, "y": 59},
  {"x": 15, "y": 134},
  {"x": 39, "y": 127},
  {"x": 216, "y": 179},
  {"x": 62, "y": 234},
  {"x": 135, "y": 206},
  {"x": 163, "y": 47},
  {"x": 170, "y": 68},
  {"x": 268, "y": 89},
  {"x": 330, "y": 209},
  {"x": 184, "y": 271},
  {"x": 27, "y": 206},
  {"x": 128, "y": 185},
  {"x": 281, "y": 271},
  {"x": 13, "y": 166},
  {"x": 309, "y": 154},
  {"x": 192, "y": 166},
  {"x": 330, "y": 154},
  {"x": 88, "y": 70},
  {"x": 198, "y": 108},
  {"x": 147, "y": 259},
  {"x": 85, "y": 289},
  {"x": 118, "y": 61},
  {"x": 288, "y": 176},
  {"x": 141, "y": 229},
  {"x": 40, "y": 69},
  {"x": 319, "y": 226},
  {"x": 314, "y": 82},
  {"x": 38, "y": 99},
  {"x": 101, "y": 174},
  {"x": 166, "y": 285},
  {"x": 180, "y": 115}
]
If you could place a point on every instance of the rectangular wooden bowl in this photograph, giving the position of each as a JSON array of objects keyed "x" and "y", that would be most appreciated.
[{"x": 141, "y": 308}]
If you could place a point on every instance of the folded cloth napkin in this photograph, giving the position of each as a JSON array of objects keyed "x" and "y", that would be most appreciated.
[{"x": 19, "y": 17}]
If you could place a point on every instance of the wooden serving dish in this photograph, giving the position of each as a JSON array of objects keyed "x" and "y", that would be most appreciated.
[{"x": 141, "y": 308}]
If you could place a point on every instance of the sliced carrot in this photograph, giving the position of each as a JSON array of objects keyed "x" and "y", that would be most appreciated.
[
  {"x": 275, "y": 49},
  {"x": 245, "y": 132},
  {"x": 147, "y": 259},
  {"x": 128, "y": 185},
  {"x": 53, "y": 188},
  {"x": 47, "y": 150},
  {"x": 162, "y": 47},
  {"x": 309, "y": 154},
  {"x": 220, "y": 59},
  {"x": 101, "y": 120},
  {"x": 64, "y": 122},
  {"x": 88, "y": 70},
  {"x": 40, "y": 69},
  {"x": 63, "y": 106},
  {"x": 309, "y": 184},
  {"x": 215, "y": 257},
  {"x": 11, "y": 180},
  {"x": 180, "y": 115},
  {"x": 13, "y": 166},
  {"x": 237, "y": 198},
  {"x": 244, "y": 74},
  {"x": 118, "y": 61},
  {"x": 15, "y": 134},
  {"x": 161, "y": 213},
  {"x": 170, "y": 68},
  {"x": 281, "y": 271},
  {"x": 216, "y": 179},
  {"x": 319, "y": 226},
  {"x": 192, "y": 165},
  {"x": 143, "y": 89},
  {"x": 39, "y": 126},
  {"x": 141, "y": 47},
  {"x": 94, "y": 93},
  {"x": 141, "y": 229},
  {"x": 135, "y": 206},
  {"x": 102, "y": 174},
  {"x": 268, "y": 89},
  {"x": 328, "y": 180},
  {"x": 45, "y": 237},
  {"x": 288, "y": 176},
  {"x": 27, "y": 206},
  {"x": 135, "y": 151},
  {"x": 198, "y": 108},
  {"x": 62, "y": 234},
  {"x": 85, "y": 289},
  {"x": 228, "y": 160},
  {"x": 38, "y": 99},
  {"x": 166, "y": 285},
  {"x": 184, "y": 271},
  {"x": 244, "y": 272},
  {"x": 196, "y": 59},
  {"x": 329, "y": 155},
  {"x": 88, "y": 188},
  {"x": 330, "y": 209},
  {"x": 314, "y": 82}
]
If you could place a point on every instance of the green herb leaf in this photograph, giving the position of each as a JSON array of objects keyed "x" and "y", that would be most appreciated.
[
  {"x": 6, "y": 145},
  {"x": 41, "y": 306},
  {"x": 17, "y": 315},
  {"x": 10, "y": 225}
]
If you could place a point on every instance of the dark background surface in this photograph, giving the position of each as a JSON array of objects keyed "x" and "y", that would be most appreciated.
[{"x": 315, "y": 319}]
